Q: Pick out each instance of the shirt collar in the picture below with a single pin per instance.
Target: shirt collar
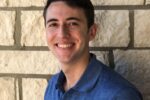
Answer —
(87, 80)
(60, 79)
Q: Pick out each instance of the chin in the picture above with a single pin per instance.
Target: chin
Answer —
(65, 61)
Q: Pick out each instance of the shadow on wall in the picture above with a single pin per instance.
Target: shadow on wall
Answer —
(134, 66)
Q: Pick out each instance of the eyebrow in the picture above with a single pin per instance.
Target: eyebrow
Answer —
(70, 18)
(51, 20)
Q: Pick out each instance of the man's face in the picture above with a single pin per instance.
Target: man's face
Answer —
(67, 32)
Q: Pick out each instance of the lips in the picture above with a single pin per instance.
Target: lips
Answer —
(64, 46)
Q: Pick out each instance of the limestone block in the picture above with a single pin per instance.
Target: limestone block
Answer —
(28, 62)
(147, 2)
(7, 25)
(118, 2)
(7, 89)
(142, 30)
(34, 89)
(146, 97)
(25, 3)
(3, 3)
(33, 29)
(113, 29)
(102, 56)
(134, 66)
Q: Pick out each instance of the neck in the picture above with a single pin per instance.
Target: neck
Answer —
(73, 72)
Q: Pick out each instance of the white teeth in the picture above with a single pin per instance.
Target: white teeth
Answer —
(64, 45)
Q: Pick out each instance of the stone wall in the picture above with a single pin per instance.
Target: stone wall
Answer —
(122, 42)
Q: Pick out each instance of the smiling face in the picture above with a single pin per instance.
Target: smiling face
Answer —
(67, 32)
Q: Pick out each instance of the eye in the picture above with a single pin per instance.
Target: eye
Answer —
(73, 24)
(53, 25)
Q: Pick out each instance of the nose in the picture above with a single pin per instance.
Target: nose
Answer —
(63, 31)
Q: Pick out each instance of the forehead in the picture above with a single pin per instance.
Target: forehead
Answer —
(61, 9)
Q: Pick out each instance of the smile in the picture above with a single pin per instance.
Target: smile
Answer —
(65, 45)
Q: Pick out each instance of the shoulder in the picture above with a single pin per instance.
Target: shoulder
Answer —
(112, 78)
(51, 87)
(53, 80)
(117, 86)
(127, 94)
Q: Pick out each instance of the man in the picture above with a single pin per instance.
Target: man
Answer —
(69, 28)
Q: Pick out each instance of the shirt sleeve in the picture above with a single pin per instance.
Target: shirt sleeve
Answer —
(128, 94)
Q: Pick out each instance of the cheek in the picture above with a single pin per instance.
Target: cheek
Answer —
(84, 36)
(82, 39)
(49, 38)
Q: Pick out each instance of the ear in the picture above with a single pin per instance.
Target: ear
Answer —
(92, 32)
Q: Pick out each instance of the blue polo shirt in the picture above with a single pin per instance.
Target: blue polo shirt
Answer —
(97, 83)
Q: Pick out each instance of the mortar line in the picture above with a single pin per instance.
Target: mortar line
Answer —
(144, 2)
(44, 48)
(131, 29)
(121, 7)
(15, 89)
(25, 48)
(121, 48)
(21, 8)
(46, 76)
(20, 89)
(111, 59)
(17, 34)
(97, 7)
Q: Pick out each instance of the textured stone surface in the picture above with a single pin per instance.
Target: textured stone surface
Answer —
(147, 98)
(25, 3)
(36, 62)
(7, 89)
(102, 56)
(33, 31)
(7, 22)
(32, 62)
(3, 3)
(118, 2)
(142, 30)
(112, 30)
(134, 65)
(33, 89)
(147, 2)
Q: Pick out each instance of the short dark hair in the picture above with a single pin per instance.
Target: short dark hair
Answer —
(86, 5)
